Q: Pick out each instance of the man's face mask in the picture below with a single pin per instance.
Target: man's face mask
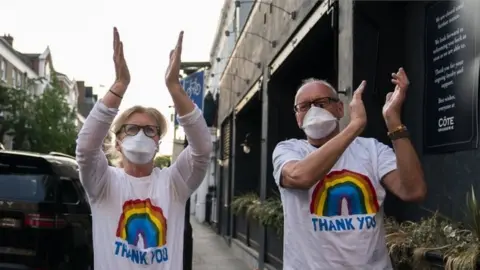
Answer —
(139, 149)
(318, 123)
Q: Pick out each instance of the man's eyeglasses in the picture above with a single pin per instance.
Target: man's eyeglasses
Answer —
(319, 102)
(149, 131)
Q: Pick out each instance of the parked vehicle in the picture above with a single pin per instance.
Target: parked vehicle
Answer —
(45, 217)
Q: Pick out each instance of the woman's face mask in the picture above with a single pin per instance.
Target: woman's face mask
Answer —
(318, 123)
(139, 149)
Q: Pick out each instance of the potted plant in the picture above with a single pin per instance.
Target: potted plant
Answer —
(268, 213)
(248, 204)
(436, 241)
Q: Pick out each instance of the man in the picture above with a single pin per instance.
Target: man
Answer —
(332, 184)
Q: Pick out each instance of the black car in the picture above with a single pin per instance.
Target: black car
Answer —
(45, 218)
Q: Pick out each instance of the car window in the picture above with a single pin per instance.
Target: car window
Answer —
(67, 191)
(27, 187)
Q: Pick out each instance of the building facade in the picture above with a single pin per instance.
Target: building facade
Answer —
(32, 72)
(17, 69)
(345, 42)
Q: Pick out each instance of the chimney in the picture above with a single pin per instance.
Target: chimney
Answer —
(9, 39)
(88, 92)
(81, 91)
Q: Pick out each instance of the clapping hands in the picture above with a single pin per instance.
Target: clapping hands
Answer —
(394, 100)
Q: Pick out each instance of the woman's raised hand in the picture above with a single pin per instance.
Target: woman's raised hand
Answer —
(122, 74)
(173, 71)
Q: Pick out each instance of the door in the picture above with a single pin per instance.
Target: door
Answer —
(77, 232)
(379, 50)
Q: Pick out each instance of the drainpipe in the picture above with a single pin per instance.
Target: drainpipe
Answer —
(187, 235)
(263, 161)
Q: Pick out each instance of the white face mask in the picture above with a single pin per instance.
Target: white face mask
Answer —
(139, 149)
(318, 123)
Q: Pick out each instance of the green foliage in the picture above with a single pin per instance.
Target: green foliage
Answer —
(162, 161)
(41, 123)
(269, 213)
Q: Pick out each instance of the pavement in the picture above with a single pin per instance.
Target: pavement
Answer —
(211, 252)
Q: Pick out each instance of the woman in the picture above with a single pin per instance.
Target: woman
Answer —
(138, 211)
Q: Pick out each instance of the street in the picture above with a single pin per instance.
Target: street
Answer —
(210, 251)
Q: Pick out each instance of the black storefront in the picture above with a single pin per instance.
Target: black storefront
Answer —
(365, 40)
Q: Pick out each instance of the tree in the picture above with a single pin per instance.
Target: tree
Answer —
(162, 161)
(16, 111)
(41, 123)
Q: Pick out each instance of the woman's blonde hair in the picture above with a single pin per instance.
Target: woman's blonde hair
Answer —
(161, 122)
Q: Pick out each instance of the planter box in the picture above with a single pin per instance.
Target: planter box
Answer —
(435, 261)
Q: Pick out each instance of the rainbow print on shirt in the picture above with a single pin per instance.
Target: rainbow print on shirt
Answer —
(142, 233)
(344, 200)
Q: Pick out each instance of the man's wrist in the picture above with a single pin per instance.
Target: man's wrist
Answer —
(355, 128)
(393, 123)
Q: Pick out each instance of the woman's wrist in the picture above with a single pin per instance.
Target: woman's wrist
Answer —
(175, 87)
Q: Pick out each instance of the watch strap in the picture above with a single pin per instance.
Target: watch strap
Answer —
(399, 133)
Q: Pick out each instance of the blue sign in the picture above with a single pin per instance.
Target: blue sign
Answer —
(193, 86)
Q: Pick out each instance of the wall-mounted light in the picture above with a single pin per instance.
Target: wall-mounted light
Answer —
(246, 145)
(273, 43)
(257, 64)
(292, 14)
(247, 81)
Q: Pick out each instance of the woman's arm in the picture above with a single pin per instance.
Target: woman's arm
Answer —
(93, 164)
(91, 160)
(191, 166)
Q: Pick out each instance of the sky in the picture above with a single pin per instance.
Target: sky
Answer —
(80, 36)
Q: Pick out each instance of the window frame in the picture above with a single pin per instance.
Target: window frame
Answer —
(3, 69)
(71, 181)
(14, 76)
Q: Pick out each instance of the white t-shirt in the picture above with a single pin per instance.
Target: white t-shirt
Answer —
(338, 223)
(138, 223)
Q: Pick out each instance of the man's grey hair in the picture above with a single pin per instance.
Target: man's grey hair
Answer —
(315, 80)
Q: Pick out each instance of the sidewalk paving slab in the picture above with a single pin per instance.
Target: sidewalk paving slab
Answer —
(211, 252)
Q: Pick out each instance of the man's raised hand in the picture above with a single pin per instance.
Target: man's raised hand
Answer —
(358, 116)
(394, 100)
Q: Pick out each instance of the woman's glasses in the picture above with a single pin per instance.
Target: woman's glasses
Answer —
(149, 131)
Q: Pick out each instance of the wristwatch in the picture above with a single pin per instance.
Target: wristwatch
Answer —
(398, 133)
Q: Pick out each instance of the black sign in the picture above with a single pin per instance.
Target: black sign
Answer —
(451, 77)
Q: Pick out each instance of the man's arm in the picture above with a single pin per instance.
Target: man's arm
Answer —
(407, 181)
(305, 173)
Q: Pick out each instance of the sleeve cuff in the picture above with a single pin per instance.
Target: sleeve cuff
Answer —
(190, 117)
(102, 113)
(387, 169)
(278, 174)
